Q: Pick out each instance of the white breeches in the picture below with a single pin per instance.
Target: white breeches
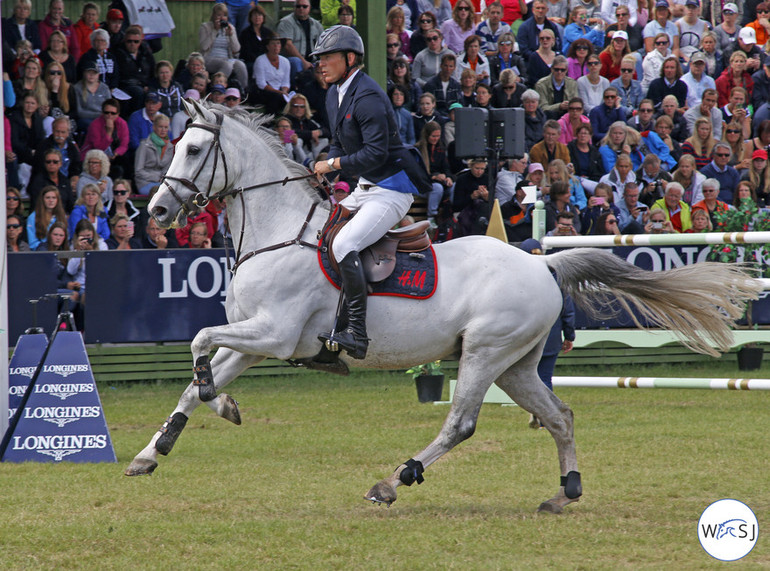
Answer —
(377, 211)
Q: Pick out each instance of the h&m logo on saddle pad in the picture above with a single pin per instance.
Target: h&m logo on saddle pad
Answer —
(414, 276)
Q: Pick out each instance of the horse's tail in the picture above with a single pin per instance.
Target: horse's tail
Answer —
(699, 302)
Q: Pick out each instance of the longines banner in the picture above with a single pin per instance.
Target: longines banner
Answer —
(62, 418)
(147, 296)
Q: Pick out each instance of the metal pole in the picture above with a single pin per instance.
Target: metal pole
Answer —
(706, 238)
(538, 221)
(4, 344)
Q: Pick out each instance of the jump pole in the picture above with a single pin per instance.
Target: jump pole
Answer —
(700, 239)
(663, 383)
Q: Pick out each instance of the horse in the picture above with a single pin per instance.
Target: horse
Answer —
(492, 308)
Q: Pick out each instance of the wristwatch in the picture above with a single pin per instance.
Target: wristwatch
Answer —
(330, 162)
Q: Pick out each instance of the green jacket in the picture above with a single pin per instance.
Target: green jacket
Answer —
(544, 88)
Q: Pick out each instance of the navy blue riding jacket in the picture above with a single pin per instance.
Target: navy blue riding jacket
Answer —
(365, 136)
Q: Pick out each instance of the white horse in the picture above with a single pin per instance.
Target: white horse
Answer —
(492, 308)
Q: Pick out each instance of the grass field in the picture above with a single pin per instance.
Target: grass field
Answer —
(284, 490)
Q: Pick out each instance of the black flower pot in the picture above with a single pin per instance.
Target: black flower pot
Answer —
(750, 358)
(429, 387)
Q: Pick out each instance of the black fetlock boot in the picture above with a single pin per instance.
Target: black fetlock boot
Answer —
(353, 337)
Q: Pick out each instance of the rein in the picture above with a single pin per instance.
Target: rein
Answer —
(199, 200)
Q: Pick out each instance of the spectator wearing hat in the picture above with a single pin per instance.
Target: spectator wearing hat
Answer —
(217, 94)
(115, 24)
(90, 93)
(761, 25)
(697, 80)
(272, 76)
(661, 24)
(727, 31)
(136, 66)
(747, 44)
(232, 97)
(56, 21)
(140, 122)
(340, 192)
(218, 41)
(691, 29)
(758, 174)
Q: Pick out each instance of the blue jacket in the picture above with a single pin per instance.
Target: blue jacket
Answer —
(656, 146)
(574, 32)
(728, 180)
(564, 324)
(629, 98)
(602, 117)
(405, 123)
(80, 212)
(365, 137)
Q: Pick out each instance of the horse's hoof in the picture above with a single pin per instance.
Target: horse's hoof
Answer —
(229, 409)
(551, 508)
(381, 493)
(141, 467)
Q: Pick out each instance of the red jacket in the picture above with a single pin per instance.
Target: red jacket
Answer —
(725, 83)
(96, 138)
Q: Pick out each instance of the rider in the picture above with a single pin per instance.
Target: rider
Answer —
(365, 143)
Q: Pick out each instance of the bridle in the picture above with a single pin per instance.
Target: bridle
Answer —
(199, 199)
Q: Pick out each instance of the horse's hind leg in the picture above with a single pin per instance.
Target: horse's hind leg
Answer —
(522, 383)
(475, 376)
(226, 366)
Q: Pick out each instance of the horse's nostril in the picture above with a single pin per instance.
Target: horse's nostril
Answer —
(158, 212)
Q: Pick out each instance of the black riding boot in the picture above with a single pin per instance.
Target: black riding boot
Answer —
(353, 338)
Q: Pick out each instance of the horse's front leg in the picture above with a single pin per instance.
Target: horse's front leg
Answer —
(226, 366)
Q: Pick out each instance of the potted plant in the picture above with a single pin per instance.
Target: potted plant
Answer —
(742, 219)
(429, 379)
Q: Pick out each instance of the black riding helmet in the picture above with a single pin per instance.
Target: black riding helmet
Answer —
(339, 39)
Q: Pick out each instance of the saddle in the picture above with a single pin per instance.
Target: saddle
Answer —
(379, 259)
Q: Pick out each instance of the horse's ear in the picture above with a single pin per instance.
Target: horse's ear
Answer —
(204, 113)
(189, 109)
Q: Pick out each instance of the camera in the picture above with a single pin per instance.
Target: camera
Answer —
(657, 225)
(223, 24)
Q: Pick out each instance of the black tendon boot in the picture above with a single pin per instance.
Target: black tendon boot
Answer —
(353, 338)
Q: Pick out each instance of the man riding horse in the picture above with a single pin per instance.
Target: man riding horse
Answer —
(365, 143)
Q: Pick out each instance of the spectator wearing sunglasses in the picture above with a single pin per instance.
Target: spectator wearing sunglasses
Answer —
(629, 89)
(121, 203)
(761, 25)
(531, 29)
(136, 66)
(505, 58)
(427, 63)
(720, 169)
(460, 26)
(492, 28)
(109, 133)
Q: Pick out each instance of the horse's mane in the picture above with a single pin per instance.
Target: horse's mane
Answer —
(257, 123)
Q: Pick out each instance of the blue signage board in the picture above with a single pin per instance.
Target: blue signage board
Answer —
(63, 417)
(154, 295)
(26, 357)
(31, 275)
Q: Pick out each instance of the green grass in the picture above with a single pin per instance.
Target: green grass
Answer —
(284, 490)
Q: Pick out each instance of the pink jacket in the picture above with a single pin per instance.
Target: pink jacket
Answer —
(7, 141)
(96, 138)
(46, 27)
(566, 128)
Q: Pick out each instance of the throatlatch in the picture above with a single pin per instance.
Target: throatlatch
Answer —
(573, 489)
(204, 379)
(412, 473)
(169, 432)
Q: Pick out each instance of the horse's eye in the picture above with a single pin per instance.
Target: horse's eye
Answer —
(192, 150)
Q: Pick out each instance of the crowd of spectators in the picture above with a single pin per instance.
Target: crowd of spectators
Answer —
(630, 106)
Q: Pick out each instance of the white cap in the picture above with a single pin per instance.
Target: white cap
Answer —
(620, 34)
(748, 35)
(730, 7)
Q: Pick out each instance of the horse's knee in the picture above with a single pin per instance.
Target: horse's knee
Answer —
(459, 430)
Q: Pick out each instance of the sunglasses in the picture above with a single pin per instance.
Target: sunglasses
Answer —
(612, 222)
(610, 96)
(576, 109)
(661, 43)
(733, 131)
(505, 43)
(302, 6)
(12, 226)
(433, 39)
(426, 21)
(721, 154)
(578, 48)
(559, 69)
(52, 162)
(619, 14)
(627, 71)
(133, 41)
(231, 98)
(645, 110)
(110, 112)
(394, 45)
(594, 63)
(302, 105)
(463, 9)
(120, 192)
(54, 72)
(16, 198)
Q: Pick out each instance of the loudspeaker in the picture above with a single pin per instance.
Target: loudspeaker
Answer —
(506, 131)
(471, 132)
